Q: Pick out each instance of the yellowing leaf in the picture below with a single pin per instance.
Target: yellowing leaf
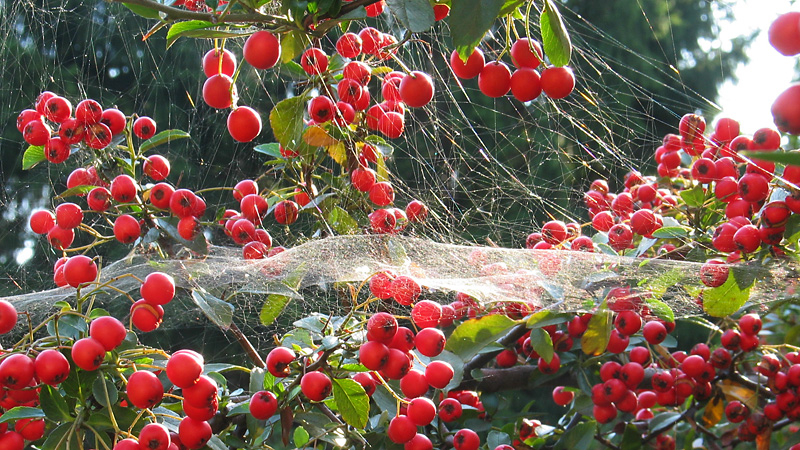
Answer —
(734, 391)
(595, 340)
(713, 412)
(317, 137)
(338, 152)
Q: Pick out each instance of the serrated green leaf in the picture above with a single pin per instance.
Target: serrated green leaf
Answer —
(415, 15)
(272, 308)
(147, 13)
(33, 155)
(351, 401)
(542, 343)
(725, 300)
(217, 310)
(471, 336)
(598, 331)
(555, 39)
(469, 21)
(162, 138)
(54, 404)
(21, 412)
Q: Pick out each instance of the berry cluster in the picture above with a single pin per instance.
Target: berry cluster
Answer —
(495, 79)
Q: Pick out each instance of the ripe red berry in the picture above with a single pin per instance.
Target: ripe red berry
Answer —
(42, 221)
(314, 61)
(750, 324)
(51, 367)
(158, 288)
(416, 89)
(57, 109)
(123, 188)
(114, 120)
(784, 33)
(88, 112)
(494, 79)
(244, 124)
(88, 353)
(469, 69)
(401, 429)
(421, 411)
(526, 53)
(349, 45)
(278, 361)
(144, 127)
(404, 289)
(126, 229)
(184, 368)
(219, 61)
(286, 212)
(316, 386)
(439, 374)
(654, 332)
(154, 436)
(145, 316)
(466, 439)
(430, 341)
(426, 313)
(262, 50)
(80, 269)
(156, 167)
(558, 82)
(144, 389)
(108, 331)
(68, 215)
(263, 405)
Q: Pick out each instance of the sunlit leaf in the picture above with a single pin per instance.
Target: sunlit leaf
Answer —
(598, 331)
(555, 39)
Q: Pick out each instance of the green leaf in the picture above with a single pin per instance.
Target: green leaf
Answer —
(542, 343)
(510, 6)
(671, 232)
(579, 436)
(272, 149)
(351, 401)
(54, 404)
(497, 438)
(665, 419)
(180, 28)
(598, 331)
(725, 300)
(294, 70)
(659, 286)
(292, 45)
(62, 438)
(272, 308)
(76, 190)
(300, 437)
(631, 438)
(286, 120)
(547, 317)
(70, 326)
(21, 412)
(469, 338)
(104, 391)
(33, 155)
(217, 310)
(341, 221)
(469, 21)
(169, 226)
(660, 309)
(162, 138)
(789, 158)
(147, 13)
(416, 15)
(694, 197)
(555, 39)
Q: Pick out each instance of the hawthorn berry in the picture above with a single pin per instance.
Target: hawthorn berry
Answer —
(278, 361)
(263, 405)
(108, 331)
(244, 124)
(219, 61)
(88, 353)
(316, 386)
(494, 79)
(144, 127)
(144, 389)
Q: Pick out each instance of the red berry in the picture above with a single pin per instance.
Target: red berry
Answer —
(213, 66)
(278, 361)
(154, 436)
(42, 221)
(654, 332)
(314, 61)
(558, 82)
(416, 89)
(156, 167)
(466, 439)
(244, 124)
(262, 50)
(80, 269)
(316, 386)
(526, 53)
(108, 331)
(784, 33)
(469, 69)
(144, 389)
(51, 367)
(263, 405)
(494, 79)
(144, 127)
(88, 353)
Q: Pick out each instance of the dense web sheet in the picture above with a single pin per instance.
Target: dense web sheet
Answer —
(491, 170)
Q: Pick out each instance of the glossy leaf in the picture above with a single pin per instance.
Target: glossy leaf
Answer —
(351, 401)
(162, 138)
(21, 412)
(725, 300)
(147, 13)
(286, 120)
(33, 155)
(272, 308)
(671, 232)
(555, 39)
(54, 404)
(341, 222)
(542, 343)
(180, 28)
(783, 157)
(300, 437)
(61, 438)
(579, 436)
(271, 149)
(547, 317)
(472, 336)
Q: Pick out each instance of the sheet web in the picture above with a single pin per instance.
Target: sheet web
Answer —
(490, 170)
